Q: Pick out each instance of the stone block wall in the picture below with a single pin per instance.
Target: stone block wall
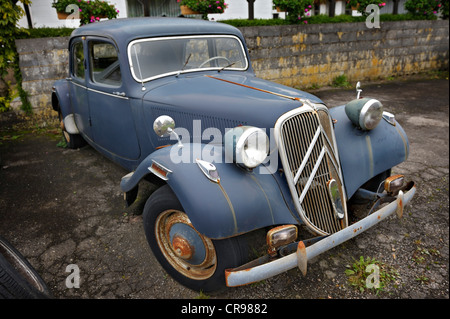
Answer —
(300, 56)
(308, 55)
(42, 62)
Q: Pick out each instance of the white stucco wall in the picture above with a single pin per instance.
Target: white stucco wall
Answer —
(238, 9)
(44, 15)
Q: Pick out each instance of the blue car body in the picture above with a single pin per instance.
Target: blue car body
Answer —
(117, 117)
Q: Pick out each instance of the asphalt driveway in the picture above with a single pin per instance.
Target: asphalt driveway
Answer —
(63, 207)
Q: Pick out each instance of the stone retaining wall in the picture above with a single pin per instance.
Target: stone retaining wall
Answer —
(311, 55)
(42, 62)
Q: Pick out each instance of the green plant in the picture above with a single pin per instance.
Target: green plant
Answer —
(60, 5)
(424, 255)
(90, 11)
(205, 6)
(361, 5)
(341, 81)
(296, 9)
(62, 143)
(46, 32)
(427, 8)
(9, 59)
(370, 274)
(202, 295)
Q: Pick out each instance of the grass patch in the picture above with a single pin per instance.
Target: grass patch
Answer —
(341, 81)
(368, 274)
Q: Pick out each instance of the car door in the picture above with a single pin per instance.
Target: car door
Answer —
(110, 112)
(78, 89)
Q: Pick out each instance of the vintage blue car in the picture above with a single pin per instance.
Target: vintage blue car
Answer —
(175, 102)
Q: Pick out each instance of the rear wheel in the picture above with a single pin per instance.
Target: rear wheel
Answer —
(191, 258)
(73, 141)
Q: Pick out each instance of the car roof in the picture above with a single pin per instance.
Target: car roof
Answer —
(125, 30)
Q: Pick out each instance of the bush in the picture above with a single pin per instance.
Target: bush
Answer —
(428, 8)
(296, 9)
(46, 33)
(319, 19)
(9, 59)
(361, 5)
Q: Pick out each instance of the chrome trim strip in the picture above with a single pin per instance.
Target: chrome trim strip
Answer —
(313, 175)
(108, 94)
(101, 92)
(307, 155)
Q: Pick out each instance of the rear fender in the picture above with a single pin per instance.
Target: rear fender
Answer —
(61, 104)
(365, 154)
(61, 97)
(240, 202)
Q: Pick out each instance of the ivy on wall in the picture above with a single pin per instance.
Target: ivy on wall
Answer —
(10, 13)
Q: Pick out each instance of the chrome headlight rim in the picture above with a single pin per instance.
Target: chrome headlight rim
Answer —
(240, 139)
(368, 120)
(365, 113)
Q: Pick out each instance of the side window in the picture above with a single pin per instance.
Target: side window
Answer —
(78, 60)
(104, 63)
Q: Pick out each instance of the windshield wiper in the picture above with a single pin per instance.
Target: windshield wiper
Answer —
(227, 66)
(185, 63)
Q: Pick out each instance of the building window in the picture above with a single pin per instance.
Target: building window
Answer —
(153, 8)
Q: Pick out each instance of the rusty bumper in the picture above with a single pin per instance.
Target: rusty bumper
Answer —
(264, 268)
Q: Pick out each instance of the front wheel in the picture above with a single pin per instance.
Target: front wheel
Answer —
(191, 258)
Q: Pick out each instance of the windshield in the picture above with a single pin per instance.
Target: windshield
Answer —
(153, 58)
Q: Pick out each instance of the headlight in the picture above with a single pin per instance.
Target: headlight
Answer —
(365, 113)
(246, 145)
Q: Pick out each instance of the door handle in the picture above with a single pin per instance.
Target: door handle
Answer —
(119, 93)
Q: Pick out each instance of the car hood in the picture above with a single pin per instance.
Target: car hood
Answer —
(222, 100)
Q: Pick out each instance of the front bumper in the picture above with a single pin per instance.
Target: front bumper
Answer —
(264, 268)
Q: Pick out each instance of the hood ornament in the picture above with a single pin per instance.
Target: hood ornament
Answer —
(358, 90)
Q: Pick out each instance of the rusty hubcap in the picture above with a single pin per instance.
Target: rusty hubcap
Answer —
(181, 247)
(188, 251)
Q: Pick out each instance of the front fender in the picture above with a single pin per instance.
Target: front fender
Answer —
(241, 202)
(365, 154)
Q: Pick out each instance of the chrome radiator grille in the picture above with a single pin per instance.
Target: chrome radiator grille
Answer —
(307, 150)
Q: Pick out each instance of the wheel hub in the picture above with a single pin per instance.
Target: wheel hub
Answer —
(189, 252)
(182, 248)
